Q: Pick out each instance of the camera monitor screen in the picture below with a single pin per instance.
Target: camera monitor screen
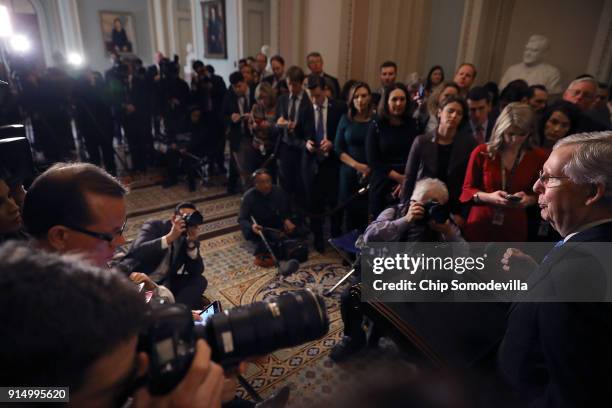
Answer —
(214, 307)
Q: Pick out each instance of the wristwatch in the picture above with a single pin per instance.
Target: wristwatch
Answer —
(475, 198)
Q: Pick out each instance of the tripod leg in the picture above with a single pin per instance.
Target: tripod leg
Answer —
(345, 277)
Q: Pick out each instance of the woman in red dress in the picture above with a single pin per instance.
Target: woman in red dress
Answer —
(500, 198)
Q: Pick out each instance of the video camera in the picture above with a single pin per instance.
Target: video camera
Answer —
(233, 335)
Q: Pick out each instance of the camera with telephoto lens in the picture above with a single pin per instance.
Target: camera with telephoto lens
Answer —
(435, 211)
(234, 335)
(194, 219)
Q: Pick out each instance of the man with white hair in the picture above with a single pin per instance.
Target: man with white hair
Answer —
(409, 222)
(532, 69)
(582, 92)
(404, 222)
(557, 354)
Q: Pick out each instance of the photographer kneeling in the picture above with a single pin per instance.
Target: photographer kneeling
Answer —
(265, 210)
(169, 253)
(424, 219)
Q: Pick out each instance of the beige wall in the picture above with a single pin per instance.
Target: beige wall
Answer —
(570, 25)
(355, 36)
(322, 20)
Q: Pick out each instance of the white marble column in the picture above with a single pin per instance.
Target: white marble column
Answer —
(71, 27)
(600, 60)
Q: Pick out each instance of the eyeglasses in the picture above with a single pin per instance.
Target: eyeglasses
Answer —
(100, 235)
(550, 181)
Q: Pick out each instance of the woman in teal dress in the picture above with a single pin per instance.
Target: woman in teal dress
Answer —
(350, 147)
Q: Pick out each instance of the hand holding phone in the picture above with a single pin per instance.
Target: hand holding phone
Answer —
(208, 311)
(513, 198)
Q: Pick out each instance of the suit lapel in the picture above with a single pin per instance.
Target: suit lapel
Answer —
(600, 233)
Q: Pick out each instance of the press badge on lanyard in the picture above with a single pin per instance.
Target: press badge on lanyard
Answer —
(498, 215)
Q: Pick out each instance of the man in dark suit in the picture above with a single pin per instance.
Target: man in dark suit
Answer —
(537, 98)
(217, 131)
(94, 119)
(557, 354)
(295, 121)
(315, 65)
(175, 96)
(388, 76)
(169, 252)
(277, 79)
(481, 123)
(208, 91)
(582, 92)
(236, 112)
(136, 119)
(321, 165)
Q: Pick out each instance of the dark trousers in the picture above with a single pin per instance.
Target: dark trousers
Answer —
(100, 140)
(260, 247)
(289, 175)
(244, 161)
(357, 213)
(381, 187)
(234, 171)
(54, 138)
(250, 159)
(352, 316)
(188, 289)
(323, 195)
(138, 142)
(217, 136)
(175, 163)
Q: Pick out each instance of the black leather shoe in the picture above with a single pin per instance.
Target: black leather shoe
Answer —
(346, 348)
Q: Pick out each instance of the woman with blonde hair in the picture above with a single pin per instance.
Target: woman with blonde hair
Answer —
(499, 178)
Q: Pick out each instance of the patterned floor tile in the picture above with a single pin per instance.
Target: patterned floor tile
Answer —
(235, 280)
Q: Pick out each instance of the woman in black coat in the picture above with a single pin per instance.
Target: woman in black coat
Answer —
(388, 143)
(442, 153)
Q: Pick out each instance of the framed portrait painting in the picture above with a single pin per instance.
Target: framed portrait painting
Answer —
(215, 38)
(118, 32)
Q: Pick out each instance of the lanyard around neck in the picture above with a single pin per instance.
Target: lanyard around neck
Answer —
(517, 160)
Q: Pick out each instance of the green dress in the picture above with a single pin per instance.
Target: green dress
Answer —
(351, 139)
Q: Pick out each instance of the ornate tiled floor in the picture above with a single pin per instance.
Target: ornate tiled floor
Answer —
(235, 280)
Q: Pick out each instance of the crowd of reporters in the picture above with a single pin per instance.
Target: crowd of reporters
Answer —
(414, 149)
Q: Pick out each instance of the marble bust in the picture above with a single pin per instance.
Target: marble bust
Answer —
(189, 58)
(532, 69)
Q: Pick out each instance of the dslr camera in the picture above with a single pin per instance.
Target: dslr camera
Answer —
(435, 211)
(194, 219)
(234, 335)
